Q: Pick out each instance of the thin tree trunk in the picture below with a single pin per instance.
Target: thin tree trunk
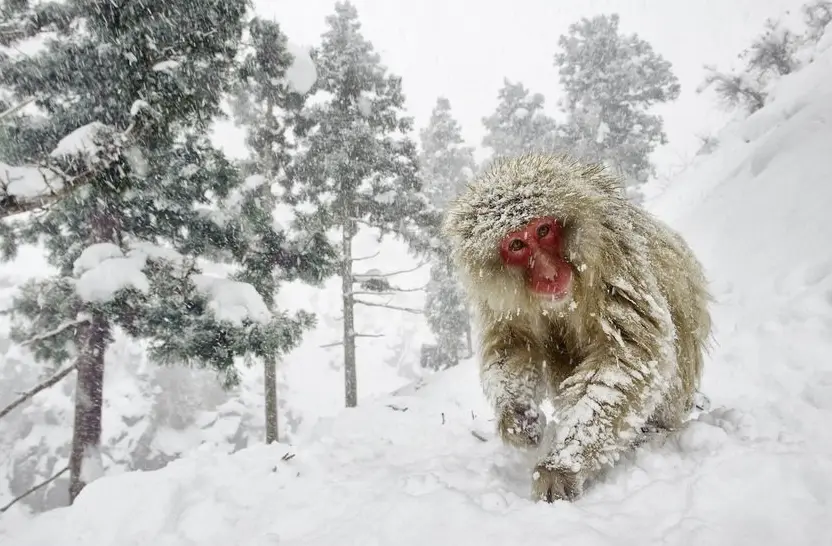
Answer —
(350, 376)
(468, 342)
(86, 434)
(270, 166)
(93, 339)
(270, 366)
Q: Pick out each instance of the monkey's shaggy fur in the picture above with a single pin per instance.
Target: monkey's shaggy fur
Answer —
(624, 349)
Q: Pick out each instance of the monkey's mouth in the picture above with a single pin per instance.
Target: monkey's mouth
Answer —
(552, 280)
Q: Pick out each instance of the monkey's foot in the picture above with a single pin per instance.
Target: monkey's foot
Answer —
(551, 483)
(521, 425)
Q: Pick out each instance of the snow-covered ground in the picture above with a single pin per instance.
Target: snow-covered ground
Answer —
(421, 466)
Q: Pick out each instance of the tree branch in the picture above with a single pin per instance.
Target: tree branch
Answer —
(11, 204)
(33, 489)
(45, 385)
(392, 291)
(386, 306)
(15, 108)
(55, 331)
(365, 257)
(359, 277)
(338, 343)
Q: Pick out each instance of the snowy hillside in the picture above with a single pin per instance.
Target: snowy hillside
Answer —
(421, 466)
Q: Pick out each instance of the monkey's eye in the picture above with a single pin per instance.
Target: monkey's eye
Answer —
(515, 245)
(543, 231)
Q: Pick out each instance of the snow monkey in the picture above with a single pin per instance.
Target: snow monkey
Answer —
(585, 299)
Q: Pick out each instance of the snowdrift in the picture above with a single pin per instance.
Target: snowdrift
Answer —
(421, 466)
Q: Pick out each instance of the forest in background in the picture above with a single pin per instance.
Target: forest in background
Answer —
(170, 266)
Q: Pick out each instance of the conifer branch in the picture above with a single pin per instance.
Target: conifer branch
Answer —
(33, 489)
(55, 331)
(360, 277)
(386, 306)
(32, 392)
(11, 205)
(15, 108)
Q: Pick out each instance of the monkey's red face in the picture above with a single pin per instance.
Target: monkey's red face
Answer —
(537, 249)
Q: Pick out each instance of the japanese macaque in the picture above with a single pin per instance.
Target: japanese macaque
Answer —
(585, 299)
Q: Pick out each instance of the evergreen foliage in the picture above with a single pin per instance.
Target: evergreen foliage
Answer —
(126, 95)
(357, 166)
(519, 124)
(611, 80)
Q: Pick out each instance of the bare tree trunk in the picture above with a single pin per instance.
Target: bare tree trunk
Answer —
(270, 366)
(270, 166)
(350, 376)
(86, 434)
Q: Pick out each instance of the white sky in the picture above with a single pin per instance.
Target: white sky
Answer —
(463, 48)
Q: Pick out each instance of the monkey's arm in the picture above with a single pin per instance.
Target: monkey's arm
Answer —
(511, 373)
(610, 395)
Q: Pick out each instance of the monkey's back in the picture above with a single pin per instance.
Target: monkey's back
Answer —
(681, 280)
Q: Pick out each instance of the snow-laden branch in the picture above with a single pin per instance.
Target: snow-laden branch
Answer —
(362, 277)
(43, 386)
(34, 488)
(55, 331)
(31, 187)
(386, 306)
(389, 291)
(15, 108)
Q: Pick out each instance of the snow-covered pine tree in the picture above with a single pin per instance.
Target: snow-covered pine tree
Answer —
(125, 95)
(272, 87)
(519, 124)
(817, 15)
(610, 81)
(446, 164)
(446, 314)
(358, 166)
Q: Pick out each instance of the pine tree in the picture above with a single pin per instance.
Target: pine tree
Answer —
(519, 124)
(358, 166)
(610, 81)
(446, 165)
(816, 16)
(445, 162)
(268, 103)
(138, 194)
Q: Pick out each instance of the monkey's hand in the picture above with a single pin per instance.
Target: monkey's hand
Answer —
(521, 424)
(551, 482)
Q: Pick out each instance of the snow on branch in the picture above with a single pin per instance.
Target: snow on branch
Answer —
(15, 108)
(55, 331)
(233, 301)
(31, 187)
(32, 392)
(375, 274)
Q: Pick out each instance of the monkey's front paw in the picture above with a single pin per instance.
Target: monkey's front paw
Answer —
(521, 425)
(551, 483)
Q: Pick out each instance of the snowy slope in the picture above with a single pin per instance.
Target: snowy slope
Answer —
(405, 469)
